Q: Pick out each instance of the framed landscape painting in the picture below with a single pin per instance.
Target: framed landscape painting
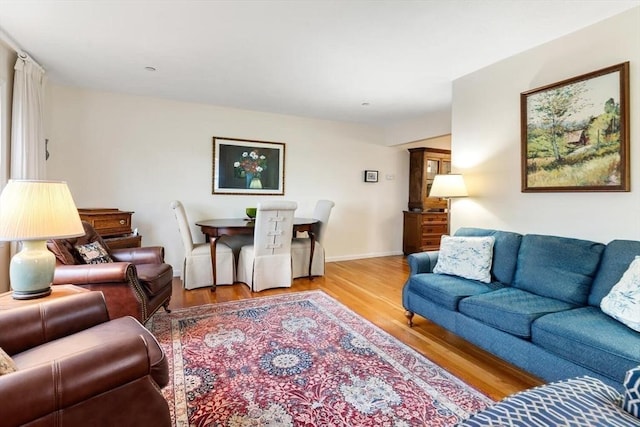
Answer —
(243, 166)
(575, 133)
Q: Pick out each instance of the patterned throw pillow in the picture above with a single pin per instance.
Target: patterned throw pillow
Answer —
(468, 257)
(93, 253)
(7, 364)
(631, 400)
(623, 301)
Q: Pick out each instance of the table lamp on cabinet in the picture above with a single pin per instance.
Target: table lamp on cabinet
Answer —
(32, 212)
(447, 187)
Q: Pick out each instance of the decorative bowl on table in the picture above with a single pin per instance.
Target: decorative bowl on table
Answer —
(251, 212)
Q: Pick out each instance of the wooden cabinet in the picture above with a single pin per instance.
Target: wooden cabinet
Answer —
(424, 165)
(422, 231)
(426, 220)
(113, 225)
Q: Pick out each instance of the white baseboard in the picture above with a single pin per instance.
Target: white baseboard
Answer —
(178, 272)
(362, 256)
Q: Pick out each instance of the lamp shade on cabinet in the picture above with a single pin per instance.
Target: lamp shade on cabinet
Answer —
(447, 186)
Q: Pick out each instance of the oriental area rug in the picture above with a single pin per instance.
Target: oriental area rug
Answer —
(300, 359)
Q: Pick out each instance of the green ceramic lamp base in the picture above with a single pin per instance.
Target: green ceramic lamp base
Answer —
(31, 270)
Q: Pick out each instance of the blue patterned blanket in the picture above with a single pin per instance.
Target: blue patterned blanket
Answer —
(578, 402)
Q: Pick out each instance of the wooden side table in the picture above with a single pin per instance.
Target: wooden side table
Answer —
(113, 225)
(57, 291)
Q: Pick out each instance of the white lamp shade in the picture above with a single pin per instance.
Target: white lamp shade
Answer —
(38, 210)
(447, 186)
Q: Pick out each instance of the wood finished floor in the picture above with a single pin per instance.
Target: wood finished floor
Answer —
(372, 287)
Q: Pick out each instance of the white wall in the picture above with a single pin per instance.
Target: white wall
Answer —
(431, 125)
(138, 153)
(486, 138)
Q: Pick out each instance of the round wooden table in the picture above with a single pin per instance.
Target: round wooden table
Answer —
(214, 229)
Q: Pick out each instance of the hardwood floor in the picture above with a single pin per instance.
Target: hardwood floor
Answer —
(372, 287)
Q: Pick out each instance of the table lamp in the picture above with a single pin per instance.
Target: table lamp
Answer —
(32, 212)
(447, 187)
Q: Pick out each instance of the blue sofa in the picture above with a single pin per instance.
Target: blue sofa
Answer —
(541, 310)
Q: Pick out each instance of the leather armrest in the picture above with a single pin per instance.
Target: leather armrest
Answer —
(32, 393)
(144, 255)
(82, 274)
(29, 326)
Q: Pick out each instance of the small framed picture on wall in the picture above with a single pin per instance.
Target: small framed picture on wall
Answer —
(370, 176)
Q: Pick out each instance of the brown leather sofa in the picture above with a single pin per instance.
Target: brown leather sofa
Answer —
(136, 284)
(75, 367)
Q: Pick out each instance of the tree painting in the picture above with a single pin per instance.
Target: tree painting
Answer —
(574, 137)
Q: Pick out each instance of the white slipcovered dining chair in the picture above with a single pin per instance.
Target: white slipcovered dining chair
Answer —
(267, 263)
(301, 246)
(196, 268)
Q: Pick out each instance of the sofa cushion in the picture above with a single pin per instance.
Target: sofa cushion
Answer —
(98, 334)
(616, 259)
(589, 338)
(510, 310)
(581, 401)
(154, 277)
(505, 251)
(7, 365)
(557, 267)
(631, 399)
(623, 301)
(468, 257)
(447, 291)
(64, 249)
(93, 253)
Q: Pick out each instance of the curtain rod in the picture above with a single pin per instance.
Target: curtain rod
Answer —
(22, 54)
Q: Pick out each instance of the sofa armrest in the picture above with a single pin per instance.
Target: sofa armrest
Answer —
(36, 392)
(144, 255)
(82, 274)
(27, 327)
(422, 262)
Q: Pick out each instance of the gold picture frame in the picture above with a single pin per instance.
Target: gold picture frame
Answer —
(575, 133)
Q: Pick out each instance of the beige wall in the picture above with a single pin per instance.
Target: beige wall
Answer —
(486, 138)
(140, 153)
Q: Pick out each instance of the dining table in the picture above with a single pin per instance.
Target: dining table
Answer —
(218, 228)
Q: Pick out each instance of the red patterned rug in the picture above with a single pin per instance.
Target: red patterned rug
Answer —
(300, 359)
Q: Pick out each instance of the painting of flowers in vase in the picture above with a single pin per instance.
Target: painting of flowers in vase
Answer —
(243, 166)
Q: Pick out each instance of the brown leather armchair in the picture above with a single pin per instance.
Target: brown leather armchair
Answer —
(136, 284)
(75, 367)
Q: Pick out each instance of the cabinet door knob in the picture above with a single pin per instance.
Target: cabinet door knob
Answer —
(122, 222)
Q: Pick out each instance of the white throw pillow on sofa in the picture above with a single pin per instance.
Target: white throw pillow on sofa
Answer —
(468, 257)
(623, 300)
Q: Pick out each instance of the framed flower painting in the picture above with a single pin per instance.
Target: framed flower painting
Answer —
(243, 166)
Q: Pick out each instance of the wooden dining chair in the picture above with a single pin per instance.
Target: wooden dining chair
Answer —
(301, 246)
(197, 270)
(267, 263)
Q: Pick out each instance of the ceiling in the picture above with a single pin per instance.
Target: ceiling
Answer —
(375, 62)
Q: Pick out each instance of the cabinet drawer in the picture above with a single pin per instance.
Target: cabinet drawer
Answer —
(107, 222)
(432, 241)
(430, 248)
(434, 219)
(123, 242)
(112, 224)
(438, 229)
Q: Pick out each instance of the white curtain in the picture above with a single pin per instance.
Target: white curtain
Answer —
(27, 126)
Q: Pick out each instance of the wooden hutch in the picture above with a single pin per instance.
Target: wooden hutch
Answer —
(426, 219)
(113, 225)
